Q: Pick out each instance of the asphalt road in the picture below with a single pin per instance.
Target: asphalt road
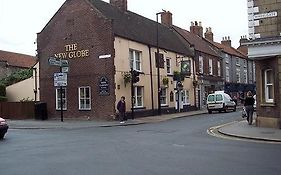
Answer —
(175, 147)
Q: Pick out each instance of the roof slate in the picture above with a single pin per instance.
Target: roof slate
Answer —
(17, 60)
(199, 43)
(132, 26)
(229, 50)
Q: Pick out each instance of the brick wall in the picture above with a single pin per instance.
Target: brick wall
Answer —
(263, 110)
(80, 23)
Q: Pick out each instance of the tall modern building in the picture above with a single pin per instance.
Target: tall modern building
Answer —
(264, 48)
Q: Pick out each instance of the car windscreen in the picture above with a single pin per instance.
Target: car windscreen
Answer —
(211, 98)
(219, 97)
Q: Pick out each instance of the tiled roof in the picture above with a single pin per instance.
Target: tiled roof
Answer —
(199, 43)
(132, 26)
(17, 60)
(229, 50)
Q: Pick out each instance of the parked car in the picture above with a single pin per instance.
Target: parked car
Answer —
(220, 101)
(3, 127)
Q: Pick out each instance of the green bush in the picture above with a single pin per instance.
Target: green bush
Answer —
(3, 99)
(17, 77)
(2, 90)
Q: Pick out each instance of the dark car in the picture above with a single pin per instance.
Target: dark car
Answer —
(3, 127)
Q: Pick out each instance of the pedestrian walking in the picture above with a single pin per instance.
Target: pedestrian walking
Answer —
(249, 106)
(121, 107)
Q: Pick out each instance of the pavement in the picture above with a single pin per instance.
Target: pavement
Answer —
(237, 129)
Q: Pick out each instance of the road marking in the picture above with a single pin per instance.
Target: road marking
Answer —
(213, 131)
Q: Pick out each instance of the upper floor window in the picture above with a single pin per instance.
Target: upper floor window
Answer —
(210, 66)
(201, 66)
(245, 63)
(227, 75)
(219, 69)
(237, 61)
(60, 94)
(168, 66)
(245, 76)
(84, 98)
(238, 75)
(135, 60)
(268, 86)
(226, 58)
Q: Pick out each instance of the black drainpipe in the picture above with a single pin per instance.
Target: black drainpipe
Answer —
(151, 79)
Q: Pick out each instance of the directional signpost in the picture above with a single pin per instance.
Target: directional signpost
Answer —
(60, 79)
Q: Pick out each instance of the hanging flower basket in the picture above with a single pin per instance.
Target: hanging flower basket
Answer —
(127, 77)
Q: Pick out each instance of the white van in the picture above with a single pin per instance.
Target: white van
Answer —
(220, 101)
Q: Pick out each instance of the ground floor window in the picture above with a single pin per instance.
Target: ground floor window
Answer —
(85, 98)
(268, 86)
(185, 97)
(58, 99)
(138, 96)
(163, 97)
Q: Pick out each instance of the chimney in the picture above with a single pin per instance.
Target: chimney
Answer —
(243, 48)
(226, 41)
(209, 34)
(167, 18)
(121, 4)
(196, 28)
(243, 39)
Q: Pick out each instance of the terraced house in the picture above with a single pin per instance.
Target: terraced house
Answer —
(102, 42)
(238, 70)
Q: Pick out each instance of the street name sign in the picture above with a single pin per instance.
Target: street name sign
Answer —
(54, 61)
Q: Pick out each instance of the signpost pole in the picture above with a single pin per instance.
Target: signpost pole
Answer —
(132, 95)
(61, 102)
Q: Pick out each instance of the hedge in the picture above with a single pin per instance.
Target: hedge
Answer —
(3, 99)
(2, 90)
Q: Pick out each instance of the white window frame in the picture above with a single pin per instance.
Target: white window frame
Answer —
(237, 61)
(164, 96)
(245, 76)
(133, 59)
(238, 75)
(136, 97)
(267, 85)
(201, 65)
(185, 97)
(64, 99)
(210, 66)
(219, 68)
(245, 63)
(84, 98)
(226, 58)
(227, 74)
(169, 66)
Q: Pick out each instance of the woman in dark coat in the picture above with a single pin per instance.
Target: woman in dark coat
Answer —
(121, 107)
(249, 105)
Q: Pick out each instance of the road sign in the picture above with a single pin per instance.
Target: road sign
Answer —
(54, 61)
(60, 79)
(64, 63)
(57, 62)
(65, 69)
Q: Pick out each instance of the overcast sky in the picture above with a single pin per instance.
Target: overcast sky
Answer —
(20, 20)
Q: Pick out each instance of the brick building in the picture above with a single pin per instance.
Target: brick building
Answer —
(264, 48)
(101, 42)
